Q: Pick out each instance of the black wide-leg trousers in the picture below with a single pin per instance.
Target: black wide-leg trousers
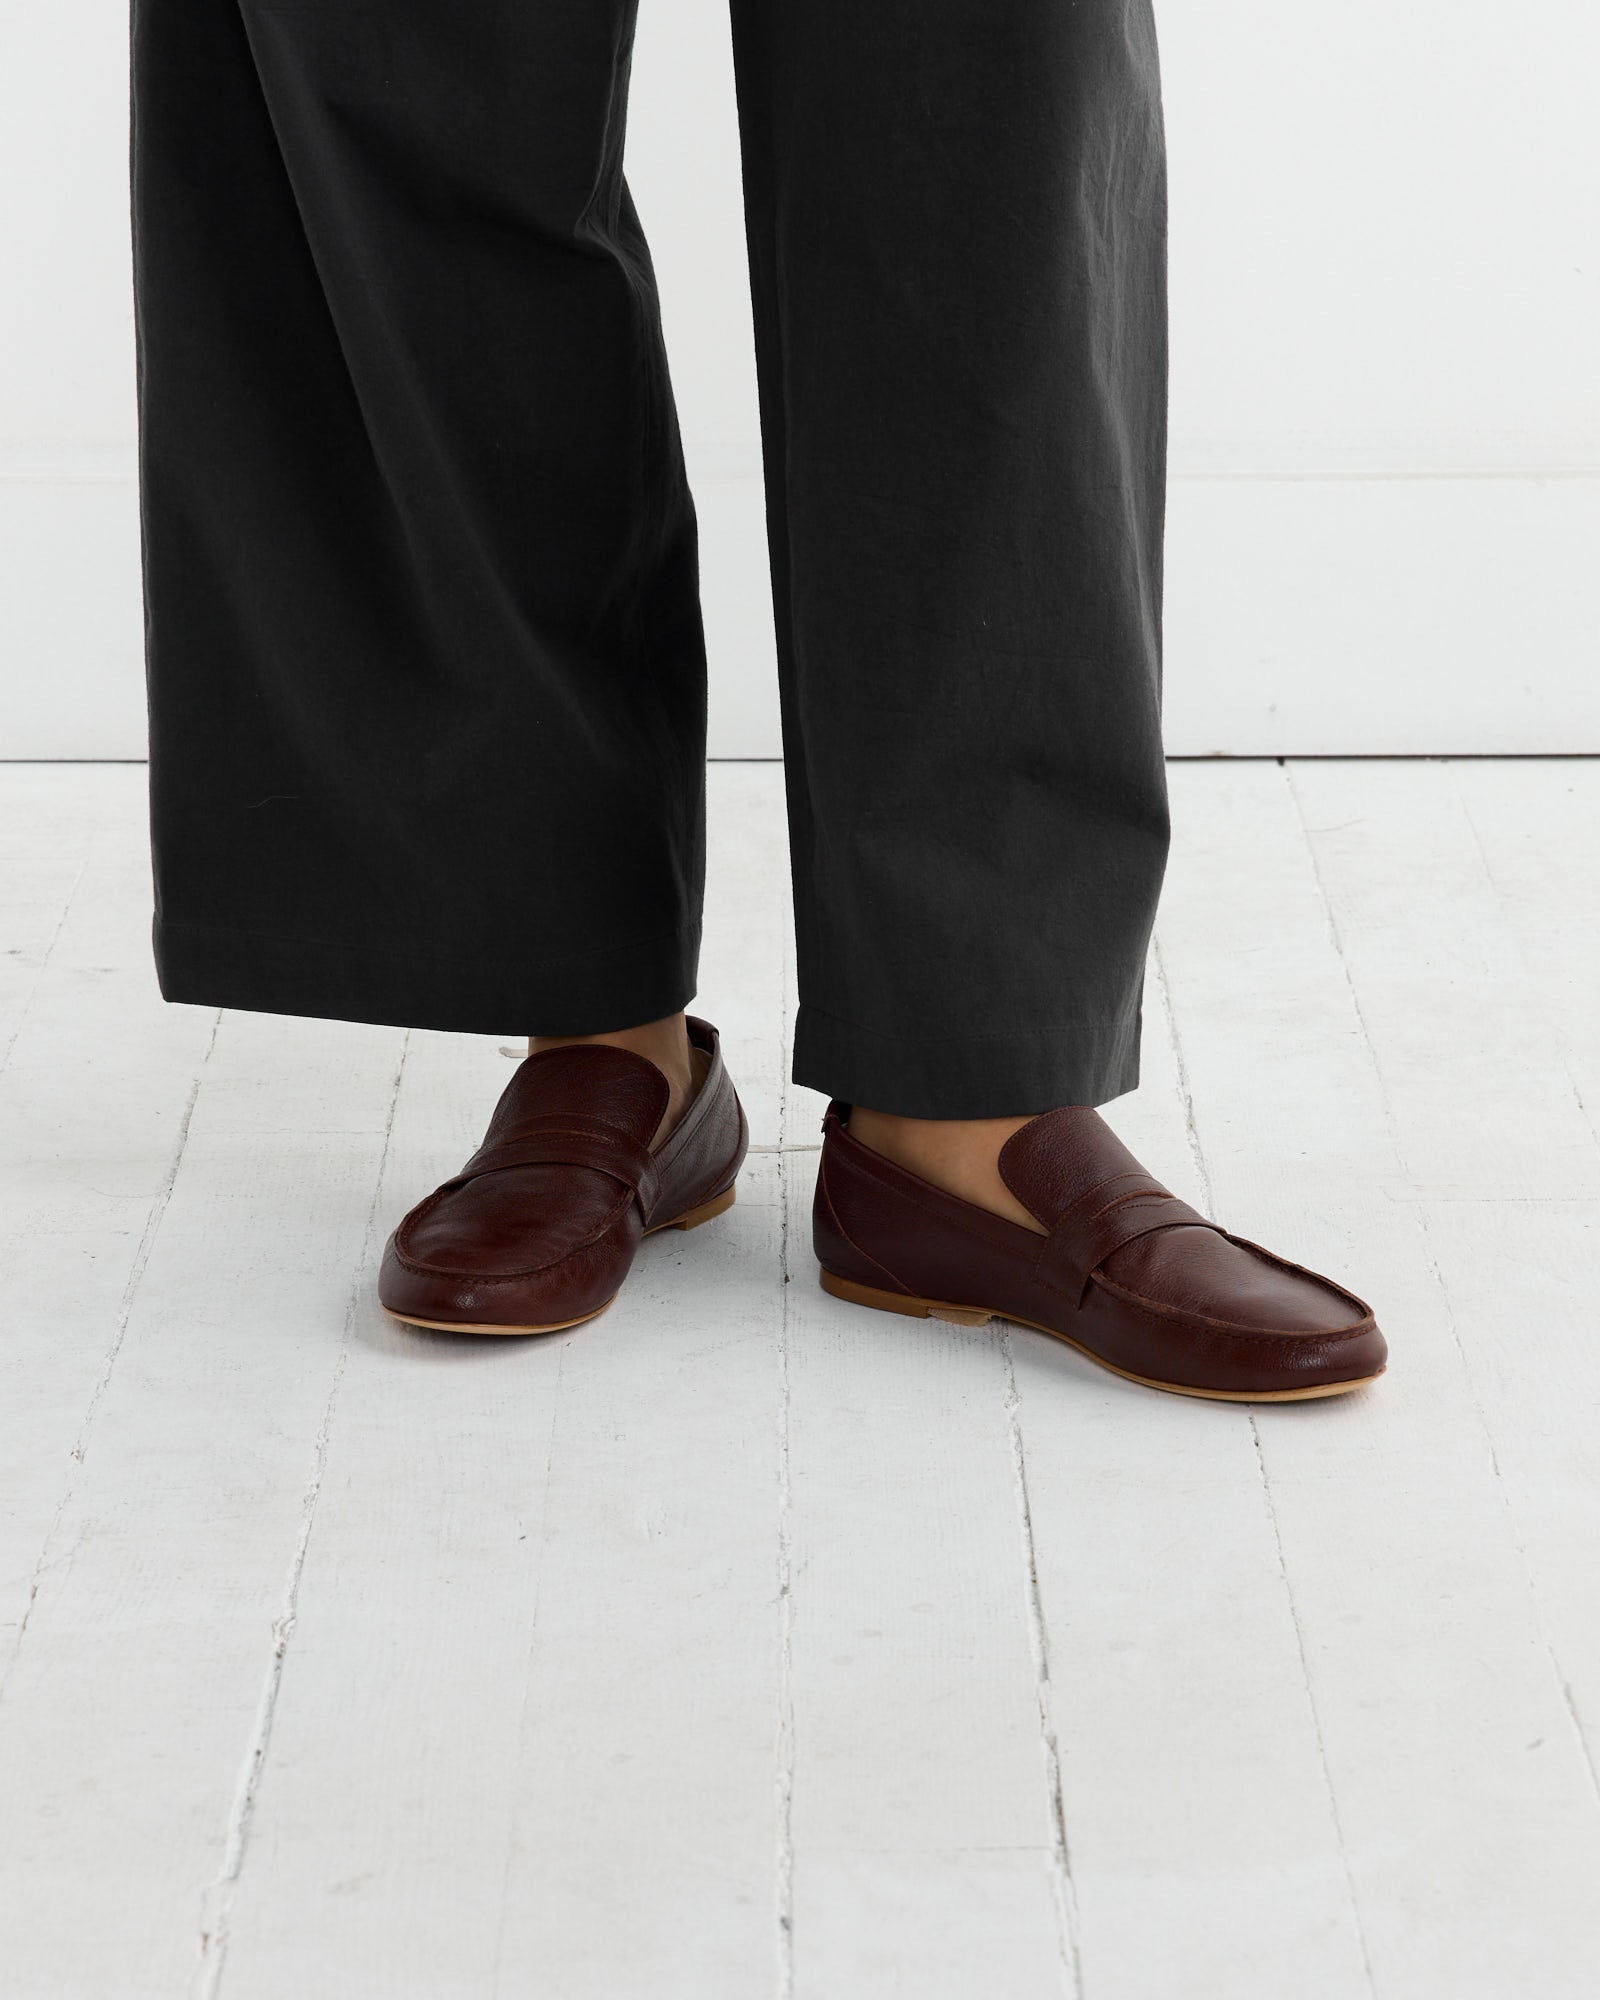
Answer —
(426, 668)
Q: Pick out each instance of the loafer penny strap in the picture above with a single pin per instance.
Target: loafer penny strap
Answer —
(1114, 1212)
(569, 1139)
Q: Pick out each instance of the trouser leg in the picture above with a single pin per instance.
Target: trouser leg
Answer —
(956, 215)
(425, 661)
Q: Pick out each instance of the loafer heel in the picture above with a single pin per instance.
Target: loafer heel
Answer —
(903, 1302)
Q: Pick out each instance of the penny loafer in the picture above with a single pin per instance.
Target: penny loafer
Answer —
(540, 1227)
(1134, 1278)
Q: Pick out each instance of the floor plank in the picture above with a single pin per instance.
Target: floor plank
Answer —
(1457, 1781)
(138, 1703)
(1194, 1785)
(97, 1085)
(1537, 825)
(643, 1855)
(1495, 1131)
(922, 1829)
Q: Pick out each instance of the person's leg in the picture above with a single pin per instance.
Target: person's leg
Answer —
(956, 217)
(425, 659)
(956, 226)
(427, 681)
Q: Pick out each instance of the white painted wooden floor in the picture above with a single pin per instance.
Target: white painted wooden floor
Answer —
(745, 1644)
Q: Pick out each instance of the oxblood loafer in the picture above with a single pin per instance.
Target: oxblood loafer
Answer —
(540, 1227)
(1133, 1277)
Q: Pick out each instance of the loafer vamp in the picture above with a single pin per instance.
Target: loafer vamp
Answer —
(517, 1222)
(1218, 1280)
(1214, 1355)
(575, 1287)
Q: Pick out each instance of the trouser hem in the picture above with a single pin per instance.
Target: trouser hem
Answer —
(1004, 1075)
(476, 987)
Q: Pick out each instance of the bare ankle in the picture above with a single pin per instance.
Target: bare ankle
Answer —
(665, 1043)
(960, 1155)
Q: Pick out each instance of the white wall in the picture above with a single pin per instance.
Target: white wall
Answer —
(1386, 403)
(1386, 400)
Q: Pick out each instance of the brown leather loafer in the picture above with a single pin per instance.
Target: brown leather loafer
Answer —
(1130, 1275)
(540, 1227)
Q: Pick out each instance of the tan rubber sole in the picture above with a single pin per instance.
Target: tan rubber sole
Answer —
(915, 1308)
(691, 1218)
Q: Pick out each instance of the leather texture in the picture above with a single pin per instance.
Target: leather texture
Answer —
(541, 1225)
(1127, 1272)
